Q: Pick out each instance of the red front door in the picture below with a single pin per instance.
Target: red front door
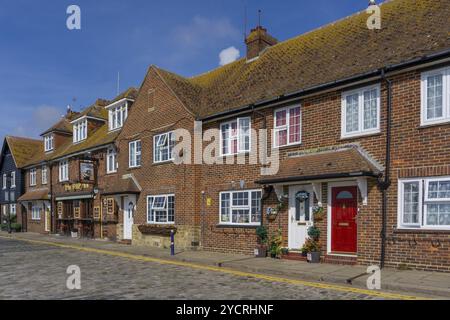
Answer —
(343, 220)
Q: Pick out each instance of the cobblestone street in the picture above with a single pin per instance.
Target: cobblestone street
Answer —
(31, 271)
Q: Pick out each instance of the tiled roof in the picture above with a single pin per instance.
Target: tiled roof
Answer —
(62, 125)
(410, 29)
(339, 162)
(24, 149)
(130, 93)
(41, 194)
(121, 186)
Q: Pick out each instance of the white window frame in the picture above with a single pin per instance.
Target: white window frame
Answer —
(424, 201)
(361, 131)
(445, 72)
(113, 116)
(167, 138)
(35, 212)
(238, 137)
(49, 143)
(165, 207)
(111, 154)
(5, 182)
(33, 177)
(13, 209)
(132, 158)
(44, 175)
(64, 170)
(80, 131)
(286, 127)
(231, 208)
(13, 179)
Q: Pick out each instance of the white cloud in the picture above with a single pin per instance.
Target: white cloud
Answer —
(229, 55)
(45, 116)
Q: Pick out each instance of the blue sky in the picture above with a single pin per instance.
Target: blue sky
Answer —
(44, 66)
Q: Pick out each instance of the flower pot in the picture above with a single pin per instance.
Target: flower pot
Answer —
(313, 257)
(74, 234)
(261, 251)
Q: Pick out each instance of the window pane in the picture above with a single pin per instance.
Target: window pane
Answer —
(434, 97)
(281, 137)
(256, 207)
(225, 208)
(370, 109)
(159, 203)
(411, 203)
(352, 113)
(438, 214)
(150, 212)
(244, 134)
(240, 199)
(280, 118)
(439, 190)
(241, 216)
(294, 125)
(171, 209)
(225, 138)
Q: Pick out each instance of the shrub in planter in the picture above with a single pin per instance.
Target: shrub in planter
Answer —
(16, 227)
(314, 233)
(261, 247)
(312, 249)
(318, 214)
(276, 245)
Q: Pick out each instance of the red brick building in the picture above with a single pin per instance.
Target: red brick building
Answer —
(358, 132)
(67, 181)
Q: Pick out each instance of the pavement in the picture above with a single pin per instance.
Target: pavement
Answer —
(325, 277)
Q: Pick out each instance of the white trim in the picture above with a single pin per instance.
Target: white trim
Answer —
(166, 196)
(238, 136)
(13, 180)
(288, 110)
(111, 152)
(5, 182)
(86, 118)
(44, 181)
(33, 181)
(423, 204)
(247, 207)
(361, 131)
(331, 185)
(119, 102)
(317, 188)
(63, 170)
(135, 165)
(168, 141)
(445, 72)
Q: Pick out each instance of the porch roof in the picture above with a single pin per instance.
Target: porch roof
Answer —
(34, 195)
(333, 164)
(122, 186)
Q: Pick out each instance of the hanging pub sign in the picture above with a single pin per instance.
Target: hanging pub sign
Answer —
(86, 171)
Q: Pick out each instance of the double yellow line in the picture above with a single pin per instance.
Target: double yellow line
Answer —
(379, 294)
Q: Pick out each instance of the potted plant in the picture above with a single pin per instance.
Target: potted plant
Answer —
(312, 249)
(314, 233)
(261, 247)
(318, 213)
(74, 233)
(276, 245)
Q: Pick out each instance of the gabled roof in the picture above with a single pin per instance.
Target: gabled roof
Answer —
(411, 29)
(97, 110)
(130, 93)
(23, 149)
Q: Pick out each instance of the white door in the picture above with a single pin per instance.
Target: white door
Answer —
(301, 200)
(47, 218)
(128, 215)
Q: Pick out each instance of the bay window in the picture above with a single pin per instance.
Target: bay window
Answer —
(287, 126)
(361, 112)
(63, 170)
(134, 160)
(80, 131)
(424, 203)
(163, 145)
(240, 207)
(111, 162)
(435, 96)
(161, 209)
(235, 136)
(32, 177)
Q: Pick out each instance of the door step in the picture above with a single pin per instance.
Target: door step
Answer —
(344, 260)
(294, 255)
(125, 242)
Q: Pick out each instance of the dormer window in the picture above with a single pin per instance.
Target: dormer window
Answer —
(80, 131)
(118, 113)
(49, 143)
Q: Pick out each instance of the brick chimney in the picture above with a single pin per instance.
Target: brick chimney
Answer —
(257, 41)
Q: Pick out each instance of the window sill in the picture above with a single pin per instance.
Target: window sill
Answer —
(421, 231)
(434, 124)
(163, 163)
(238, 226)
(288, 146)
(362, 135)
(133, 168)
